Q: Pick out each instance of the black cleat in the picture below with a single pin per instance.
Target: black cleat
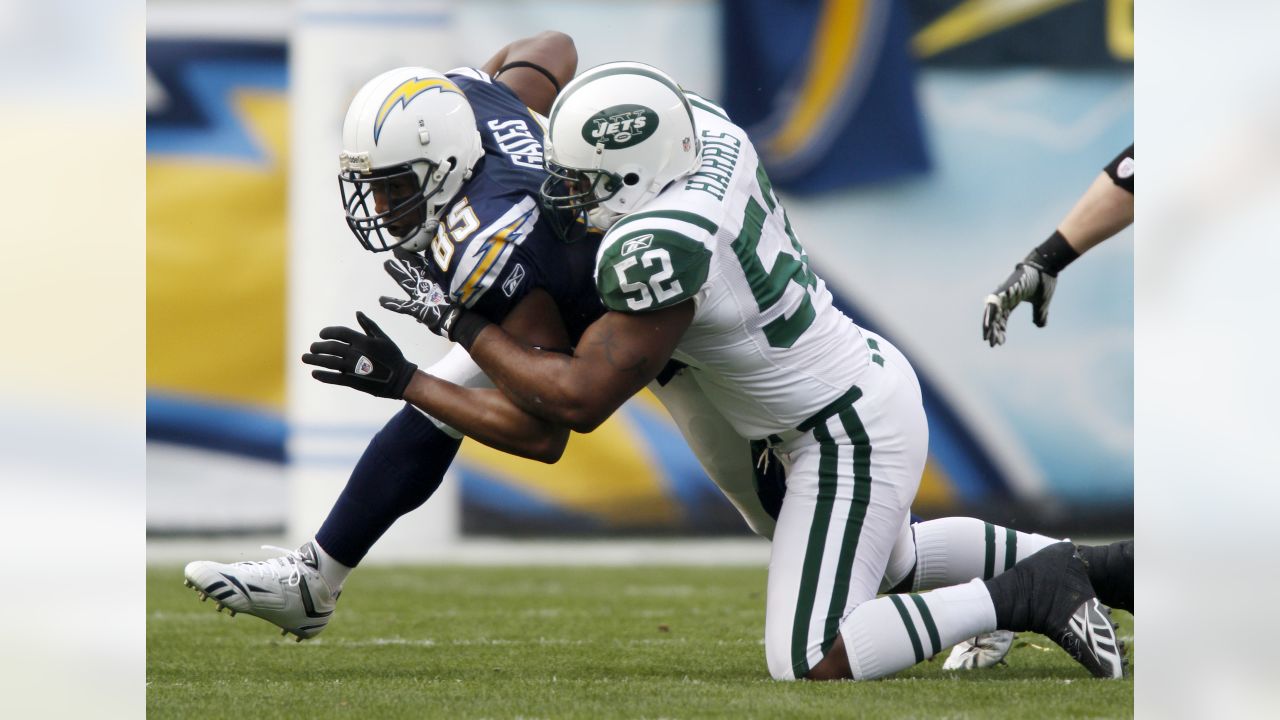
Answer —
(1049, 593)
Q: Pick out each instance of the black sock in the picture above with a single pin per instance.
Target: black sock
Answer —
(1006, 592)
(402, 467)
(1111, 572)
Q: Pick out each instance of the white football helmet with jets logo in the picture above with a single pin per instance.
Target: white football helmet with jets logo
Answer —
(409, 142)
(618, 134)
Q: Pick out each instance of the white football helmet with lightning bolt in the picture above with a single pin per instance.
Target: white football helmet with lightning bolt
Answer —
(409, 142)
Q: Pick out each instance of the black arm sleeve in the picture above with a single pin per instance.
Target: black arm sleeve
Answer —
(1120, 170)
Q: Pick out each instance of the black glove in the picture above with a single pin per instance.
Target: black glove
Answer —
(369, 363)
(1029, 281)
(428, 303)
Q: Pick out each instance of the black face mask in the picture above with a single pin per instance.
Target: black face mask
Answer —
(569, 194)
(406, 204)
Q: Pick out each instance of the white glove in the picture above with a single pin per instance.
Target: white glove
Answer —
(982, 651)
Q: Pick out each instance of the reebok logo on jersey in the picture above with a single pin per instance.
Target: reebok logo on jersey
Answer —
(637, 243)
(363, 366)
(620, 126)
(513, 282)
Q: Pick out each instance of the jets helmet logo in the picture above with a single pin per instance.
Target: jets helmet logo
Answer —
(620, 126)
(404, 93)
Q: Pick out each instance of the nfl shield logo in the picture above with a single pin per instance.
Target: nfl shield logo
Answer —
(363, 366)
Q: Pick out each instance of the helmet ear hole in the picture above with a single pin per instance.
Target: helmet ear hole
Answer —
(630, 178)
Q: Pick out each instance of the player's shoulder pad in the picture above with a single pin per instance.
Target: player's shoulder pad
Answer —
(495, 228)
(470, 73)
(702, 103)
(654, 259)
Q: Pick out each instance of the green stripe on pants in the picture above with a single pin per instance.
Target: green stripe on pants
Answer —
(911, 627)
(827, 476)
(853, 526)
(989, 567)
(1010, 547)
(929, 625)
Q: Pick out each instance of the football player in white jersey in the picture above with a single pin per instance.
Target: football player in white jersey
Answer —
(700, 264)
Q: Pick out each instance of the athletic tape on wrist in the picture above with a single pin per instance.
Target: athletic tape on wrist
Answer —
(1054, 254)
(467, 328)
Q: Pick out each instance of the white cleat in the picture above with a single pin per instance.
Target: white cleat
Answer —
(287, 591)
(983, 651)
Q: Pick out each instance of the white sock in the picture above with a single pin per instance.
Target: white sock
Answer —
(958, 549)
(894, 632)
(333, 572)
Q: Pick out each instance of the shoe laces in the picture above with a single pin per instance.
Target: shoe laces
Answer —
(286, 568)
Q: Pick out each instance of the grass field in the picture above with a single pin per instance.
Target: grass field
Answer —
(451, 642)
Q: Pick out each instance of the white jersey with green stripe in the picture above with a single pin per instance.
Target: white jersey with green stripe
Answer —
(769, 348)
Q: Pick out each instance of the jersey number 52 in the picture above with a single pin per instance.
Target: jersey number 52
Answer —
(662, 284)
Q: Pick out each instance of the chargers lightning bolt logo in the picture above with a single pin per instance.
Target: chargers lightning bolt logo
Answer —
(404, 94)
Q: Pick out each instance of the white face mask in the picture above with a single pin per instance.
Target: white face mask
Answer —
(602, 219)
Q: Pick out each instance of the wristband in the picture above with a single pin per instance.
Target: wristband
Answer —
(1053, 254)
(467, 328)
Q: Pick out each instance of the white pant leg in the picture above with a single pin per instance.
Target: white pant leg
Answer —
(850, 484)
(723, 453)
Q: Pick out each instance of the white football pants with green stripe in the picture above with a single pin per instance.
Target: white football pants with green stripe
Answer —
(844, 533)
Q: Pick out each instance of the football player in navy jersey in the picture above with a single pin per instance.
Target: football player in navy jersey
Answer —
(443, 170)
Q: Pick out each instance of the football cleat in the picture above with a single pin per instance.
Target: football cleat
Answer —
(1049, 593)
(287, 591)
(983, 651)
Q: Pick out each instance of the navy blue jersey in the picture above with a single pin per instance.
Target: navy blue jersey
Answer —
(492, 246)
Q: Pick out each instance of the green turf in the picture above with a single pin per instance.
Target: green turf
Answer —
(448, 642)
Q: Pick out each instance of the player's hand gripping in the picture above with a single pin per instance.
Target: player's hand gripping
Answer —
(1029, 281)
(369, 362)
(427, 302)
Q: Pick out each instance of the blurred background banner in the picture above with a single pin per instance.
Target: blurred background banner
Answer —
(217, 166)
(826, 89)
(248, 255)
(1058, 33)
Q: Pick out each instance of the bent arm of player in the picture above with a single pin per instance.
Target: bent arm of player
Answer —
(372, 363)
(535, 68)
(1105, 209)
(618, 355)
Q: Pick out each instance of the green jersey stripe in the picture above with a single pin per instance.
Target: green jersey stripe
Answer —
(1010, 547)
(679, 215)
(911, 627)
(989, 565)
(827, 479)
(929, 625)
(857, 434)
(699, 102)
